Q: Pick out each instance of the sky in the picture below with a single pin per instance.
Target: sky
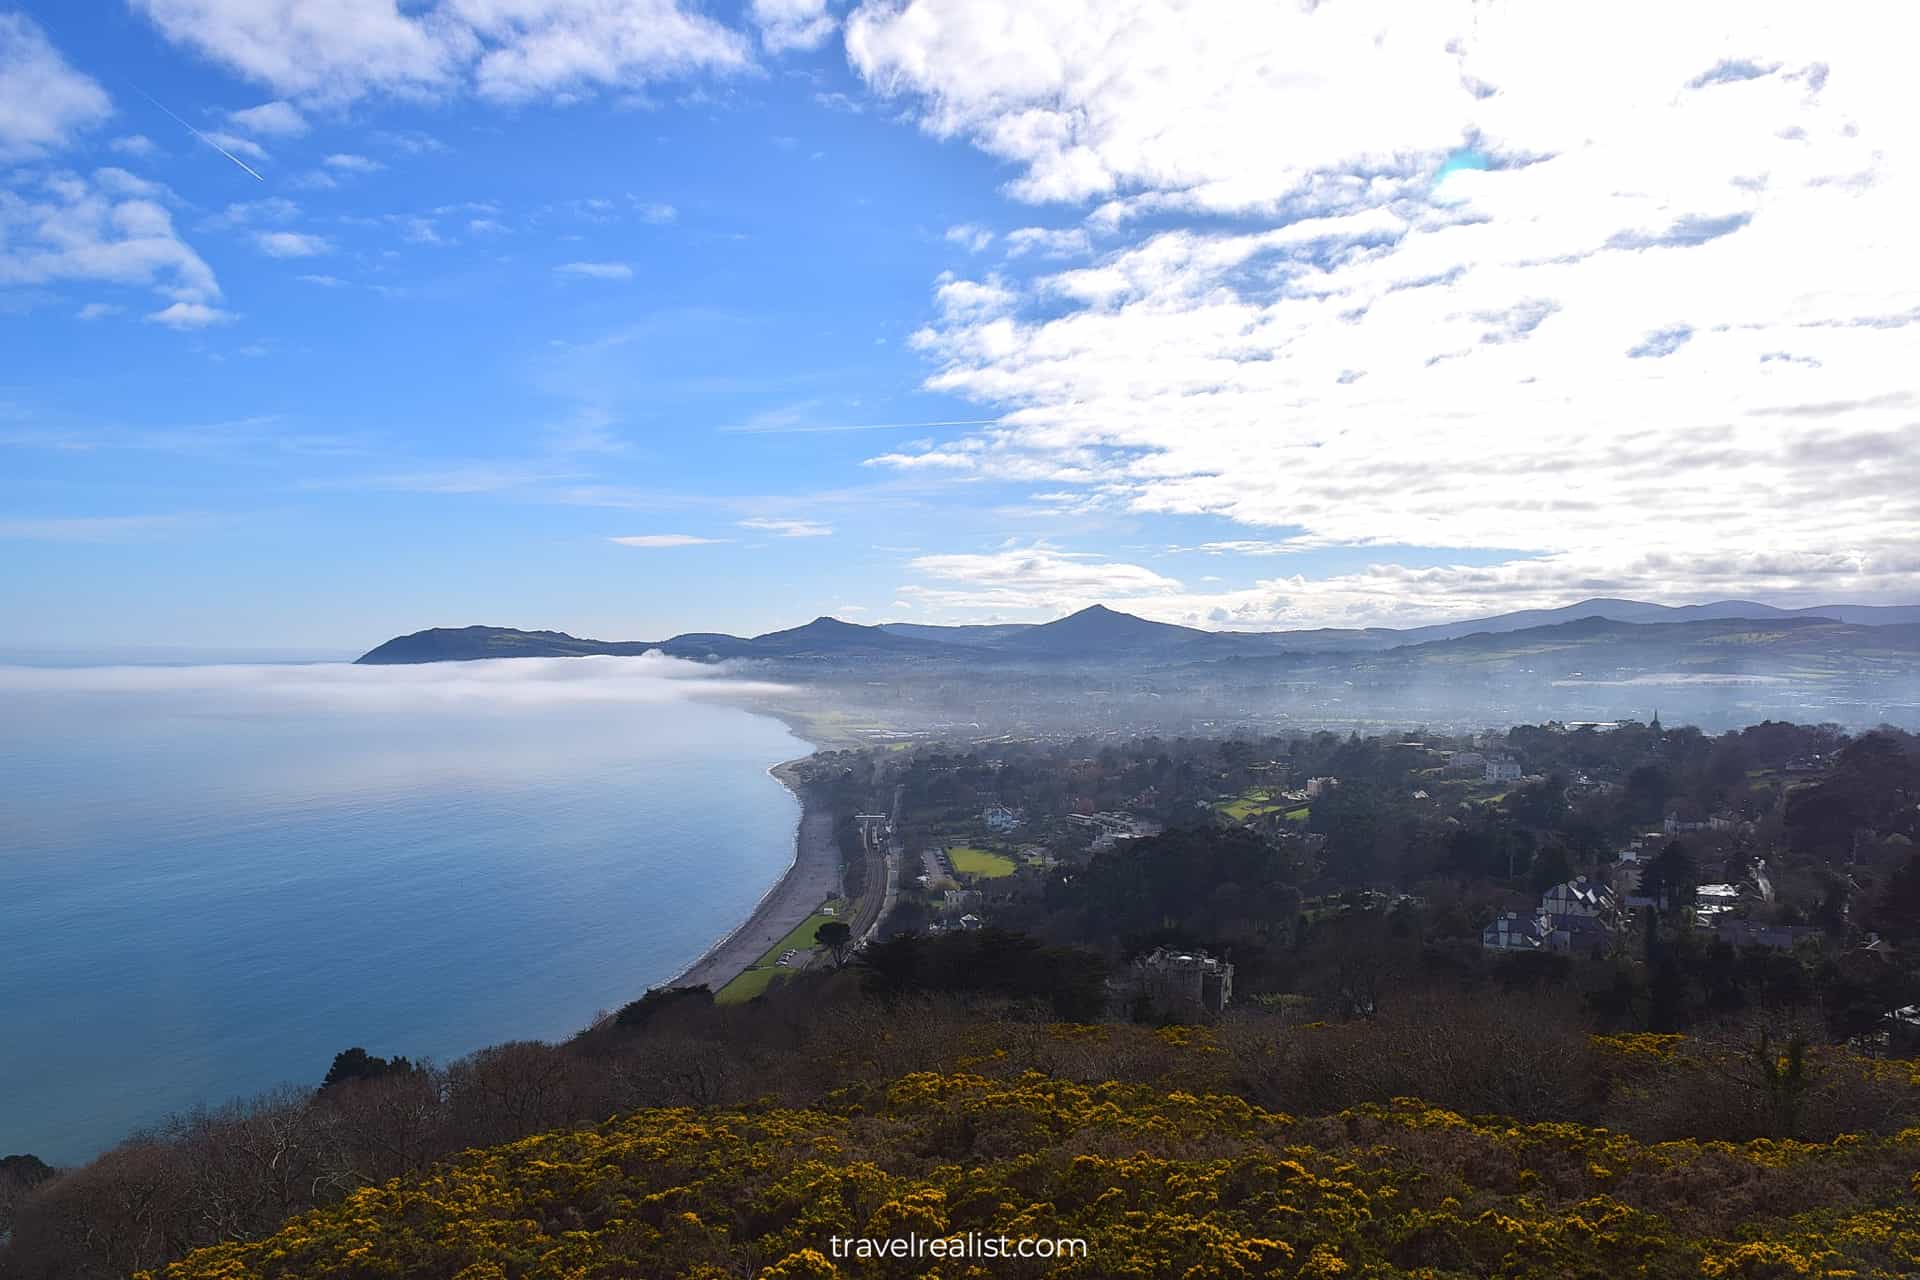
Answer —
(326, 321)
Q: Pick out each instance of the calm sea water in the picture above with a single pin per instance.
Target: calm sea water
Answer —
(213, 880)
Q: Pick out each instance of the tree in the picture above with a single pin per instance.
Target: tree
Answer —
(837, 937)
(1896, 913)
(1671, 879)
(357, 1064)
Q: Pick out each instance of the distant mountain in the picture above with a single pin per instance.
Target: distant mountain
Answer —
(1098, 631)
(1101, 635)
(1640, 611)
(830, 637)
(462, 644)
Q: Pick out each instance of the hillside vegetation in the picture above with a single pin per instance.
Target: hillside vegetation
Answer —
(1159, 1182)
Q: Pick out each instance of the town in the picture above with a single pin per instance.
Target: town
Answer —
(1662, 874)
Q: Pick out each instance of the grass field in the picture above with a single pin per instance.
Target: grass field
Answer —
(748, 985)
(1300, 814)
(762, 972)
(1254, 802)
(980, 862)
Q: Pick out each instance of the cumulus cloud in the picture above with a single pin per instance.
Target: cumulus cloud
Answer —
(270, 119)
(1046, 242)
(504, 49)
(1554, 295)
(972, 238)
(596, 270)
(103, 229)
(792, 24)
(189, 315)
(346, 162)
(44, 102)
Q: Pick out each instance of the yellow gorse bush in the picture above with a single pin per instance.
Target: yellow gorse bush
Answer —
(1181, 1185)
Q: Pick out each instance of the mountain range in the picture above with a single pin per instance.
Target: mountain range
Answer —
(1098, 634)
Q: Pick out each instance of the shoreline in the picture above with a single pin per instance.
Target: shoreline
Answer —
(810, 879)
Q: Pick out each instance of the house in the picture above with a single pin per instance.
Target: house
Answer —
(1501, 769)
(1516, 931)
(1579, 935)
(1579, 897)
(1317, 786)
(1000, 819)
(1182, 981)
(971, 921)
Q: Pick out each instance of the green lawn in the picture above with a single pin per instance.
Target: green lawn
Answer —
(1255, 802)
(748, 985)
(1300, 814)
(802, 935)
(760, 975)
(980, 862)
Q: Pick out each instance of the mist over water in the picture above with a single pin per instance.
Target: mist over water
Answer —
(213, 879)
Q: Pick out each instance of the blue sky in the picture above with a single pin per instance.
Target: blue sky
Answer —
(638, 318)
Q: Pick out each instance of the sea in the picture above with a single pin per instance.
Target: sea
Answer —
(214, 878)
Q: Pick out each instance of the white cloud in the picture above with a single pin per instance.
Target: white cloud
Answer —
(1560, 293)
(596, 270)
(44, 102)
(98, 311)
(504, 49)
(655, 211)
(291, 244)
(243, 213)
(189, 315)
(1037, 577)
(970, 237)
(270, 119)
(345, 162)
(789, 528)
(239, 146)
(1069, 242)
(665, 540)
(324, 281)
(792, 24)
(138, 145)
(69, 228)
(416, 230)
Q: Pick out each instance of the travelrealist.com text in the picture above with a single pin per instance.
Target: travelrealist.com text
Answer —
(971, 1244)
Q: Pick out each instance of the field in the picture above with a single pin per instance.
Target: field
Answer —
(980, 862)
(1257, 802)
(761, 973)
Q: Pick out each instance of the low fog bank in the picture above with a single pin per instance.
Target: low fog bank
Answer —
(496, 684)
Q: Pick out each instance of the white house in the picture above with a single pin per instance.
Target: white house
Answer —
(1578, 897)
(1502, 769)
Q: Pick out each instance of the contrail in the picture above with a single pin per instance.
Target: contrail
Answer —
(203, 137)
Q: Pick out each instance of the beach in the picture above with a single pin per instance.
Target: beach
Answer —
(813, 877)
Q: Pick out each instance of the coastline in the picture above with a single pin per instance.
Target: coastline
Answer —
(810, 879)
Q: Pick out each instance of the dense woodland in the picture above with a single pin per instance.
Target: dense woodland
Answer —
(1616, 1080)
